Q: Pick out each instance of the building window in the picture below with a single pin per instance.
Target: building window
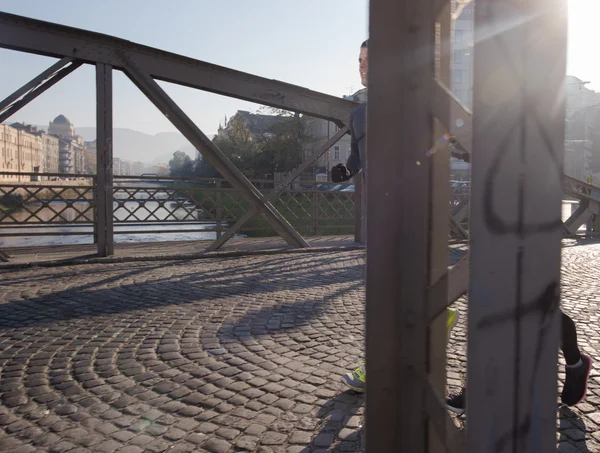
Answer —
(458, 57)
(336, 152)
(456, 76)
(458, 35)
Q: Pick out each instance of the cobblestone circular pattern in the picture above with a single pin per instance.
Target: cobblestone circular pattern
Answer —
(219, 355)
(211, 355)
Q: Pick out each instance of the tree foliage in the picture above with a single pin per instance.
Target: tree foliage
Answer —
(181, 165)
(257, 151)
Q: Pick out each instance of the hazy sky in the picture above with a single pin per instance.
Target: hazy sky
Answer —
(312, 43)
(583, 41)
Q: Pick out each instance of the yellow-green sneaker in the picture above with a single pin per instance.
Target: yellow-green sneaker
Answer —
(357, 379)
(451, 320)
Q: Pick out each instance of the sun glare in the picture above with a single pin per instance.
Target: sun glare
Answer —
(582, 62)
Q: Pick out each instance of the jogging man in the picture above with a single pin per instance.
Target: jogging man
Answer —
(577, 371)
(357, 379)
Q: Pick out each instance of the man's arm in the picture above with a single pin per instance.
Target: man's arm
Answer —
(353, 163)
(342, 172)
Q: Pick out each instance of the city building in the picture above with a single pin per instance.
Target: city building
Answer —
(71, 156)
(71, 146)
(61, 127)
(582, 103)
(51, 152)
(117, 166)
(576, 156)
(582, 143)
(322, 131)
(462, 52)
(89, 150)
(256, 123)
(50, 147)
(461, 75)
(579, 97)
(127, 168)
(26, 149)
(259, 128)
(21, 152)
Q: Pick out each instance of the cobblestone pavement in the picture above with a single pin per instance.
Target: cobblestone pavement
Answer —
(217, 355)
(578, 427)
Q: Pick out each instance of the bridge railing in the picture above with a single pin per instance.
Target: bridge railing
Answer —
(67, 205)
(45, 199)
(311, 207)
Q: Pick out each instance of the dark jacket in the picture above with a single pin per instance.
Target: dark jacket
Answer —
(358, 139)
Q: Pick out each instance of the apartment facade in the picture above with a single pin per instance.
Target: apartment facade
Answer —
(51, 152)
(71, 146)
(20, 152)
(50, 146)
(323, 130)
(89, 150)
(462, 52)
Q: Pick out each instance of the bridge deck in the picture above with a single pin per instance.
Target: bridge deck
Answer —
(218, 355)
(127, 251)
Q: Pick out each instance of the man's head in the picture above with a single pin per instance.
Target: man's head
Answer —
(363, 62)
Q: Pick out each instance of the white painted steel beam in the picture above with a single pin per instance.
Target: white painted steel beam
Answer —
(515, 225)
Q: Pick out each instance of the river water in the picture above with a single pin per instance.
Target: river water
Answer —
(63, 234)
(145, 232)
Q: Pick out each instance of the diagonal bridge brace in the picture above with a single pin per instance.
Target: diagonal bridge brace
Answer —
(36, 86)
(455, 117)
(209, 150)
(277, 191)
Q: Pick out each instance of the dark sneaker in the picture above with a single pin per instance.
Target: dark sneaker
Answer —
(576, 382)
(457, 402)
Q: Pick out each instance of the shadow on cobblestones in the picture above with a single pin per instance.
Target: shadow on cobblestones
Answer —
(572, 430)
(219, 355)
(341, 427)
(81, 295)
(580, 241)
(215, 355)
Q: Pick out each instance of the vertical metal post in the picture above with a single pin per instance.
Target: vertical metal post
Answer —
(219, 210)
(19, 152)
(95, 210)
(359, 232)
(401, 63)
(315, 209)
(104, 153)
(515, 224)
(438, 230)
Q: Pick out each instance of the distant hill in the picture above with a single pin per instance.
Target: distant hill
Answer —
(138, 146)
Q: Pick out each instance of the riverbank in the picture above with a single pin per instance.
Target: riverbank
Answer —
(310, 213)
